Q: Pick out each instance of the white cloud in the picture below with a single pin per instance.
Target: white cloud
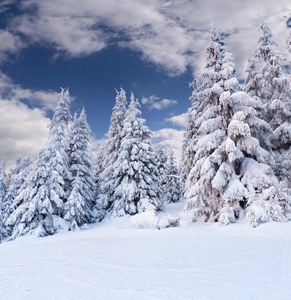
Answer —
(4, 4)
(167, 44)
(22, 130)
(69, 34)
(10, 43)
(170, 34)
(172, 137)
(149, 100)
(164, 104)
(180, 120)
(76, 30)
(154, 102)
(239, 21)
(45, 99)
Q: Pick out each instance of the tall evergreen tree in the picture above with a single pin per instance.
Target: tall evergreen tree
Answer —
(173, 188)
(160, 155)
(135, 171)
(231, 172)
(252, 83)
(274, 87)
(78, 209)
(272, 82)
(98, 170)
(107, 187)
(187, 155)
(44, 191)
(16, 179)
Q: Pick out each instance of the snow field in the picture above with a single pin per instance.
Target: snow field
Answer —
(112, 261)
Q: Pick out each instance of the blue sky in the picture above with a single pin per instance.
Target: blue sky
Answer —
(152, 48)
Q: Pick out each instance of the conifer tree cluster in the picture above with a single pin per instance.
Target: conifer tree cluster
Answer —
(129, 182)
(62, 189)
(236, 159)
(54, 190)
(236, 149)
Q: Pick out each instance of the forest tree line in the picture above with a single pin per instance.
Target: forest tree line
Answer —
(236, 159)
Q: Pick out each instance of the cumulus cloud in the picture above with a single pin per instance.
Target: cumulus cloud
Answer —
(154, 102)
(171, 137)
(170, 34)
(76, 30)
(166, 44)
(239, 22)
(44, 99)
(179, 120)
(22, 130)
(10, 43)
(70, 35)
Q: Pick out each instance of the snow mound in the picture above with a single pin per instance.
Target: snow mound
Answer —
(145, 220)
(169, 221)
(149, 220)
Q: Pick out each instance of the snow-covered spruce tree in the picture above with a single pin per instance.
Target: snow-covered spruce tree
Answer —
(3, 189)
(187, 155)
(201, 198)
(135, 171)
(107, 182)
(16, 179)
(230, 173)
(252, 83)
(44, 191)
(98, 170)
(160, 155)
(273, 83)
(274, 88)
(79, 207)
(173, 180)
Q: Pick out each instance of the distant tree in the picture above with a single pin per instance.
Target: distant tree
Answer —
(231, 173)
(44, 192)
(79, 207)
(135, 171)
(3, 189)
(252, 83)
(187, 155)
(173, 189)
(98, 170)
(160, 155)
(16, 179)
(107, 182)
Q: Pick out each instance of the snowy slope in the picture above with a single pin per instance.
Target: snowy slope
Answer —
(112, 261)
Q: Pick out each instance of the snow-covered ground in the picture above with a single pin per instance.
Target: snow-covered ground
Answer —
(112, 261)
